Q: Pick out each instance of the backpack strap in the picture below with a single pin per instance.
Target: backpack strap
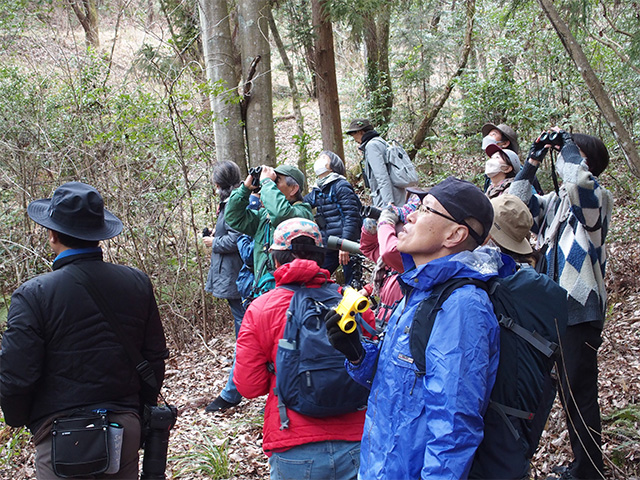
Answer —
(505, 412)
(425, 316)
(536, 340)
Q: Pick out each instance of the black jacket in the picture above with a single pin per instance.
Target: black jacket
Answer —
(59, 352)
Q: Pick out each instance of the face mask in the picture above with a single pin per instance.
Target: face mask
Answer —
(320, 166)
(492, 167)
(488, 140)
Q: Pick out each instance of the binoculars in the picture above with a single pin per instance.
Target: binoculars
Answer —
(255, 173)
(206, 232)
(369, 211)
(351, 304)
(337, 243)
(550, 138)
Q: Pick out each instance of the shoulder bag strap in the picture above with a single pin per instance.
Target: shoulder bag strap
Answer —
(142, 366)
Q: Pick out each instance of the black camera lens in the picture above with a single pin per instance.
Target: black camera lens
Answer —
(158, 422)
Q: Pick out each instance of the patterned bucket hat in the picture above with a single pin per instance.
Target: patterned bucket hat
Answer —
(294, 228)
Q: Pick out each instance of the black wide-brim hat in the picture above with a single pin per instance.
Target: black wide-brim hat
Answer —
(76, 209)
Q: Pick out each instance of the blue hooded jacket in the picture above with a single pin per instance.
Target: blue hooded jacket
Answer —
(430, 426)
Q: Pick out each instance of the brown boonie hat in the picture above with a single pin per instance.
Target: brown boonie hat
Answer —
(507, 131)
(357, 125)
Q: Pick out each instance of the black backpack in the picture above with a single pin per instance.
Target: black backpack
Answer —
(532, 312)
(311, 378)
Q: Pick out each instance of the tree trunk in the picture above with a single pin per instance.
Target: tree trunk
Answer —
(221, 74)
(427, 121)
(295, 97)
(253, 24)
(325, 65)
(88, 17)
(595, 87)
(378, 82)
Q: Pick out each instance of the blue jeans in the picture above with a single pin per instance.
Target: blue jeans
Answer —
(330, 460)
(230, 392)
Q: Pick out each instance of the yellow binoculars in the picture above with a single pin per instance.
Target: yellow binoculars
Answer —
(352, 302)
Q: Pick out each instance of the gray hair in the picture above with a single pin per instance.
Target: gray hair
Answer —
(335, 163)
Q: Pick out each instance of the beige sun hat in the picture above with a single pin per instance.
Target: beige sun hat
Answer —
(512, 222)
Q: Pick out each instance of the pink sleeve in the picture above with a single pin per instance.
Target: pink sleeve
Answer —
(369, 245)
(388, 241)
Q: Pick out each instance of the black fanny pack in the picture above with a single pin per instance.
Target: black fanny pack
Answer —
(80, 445)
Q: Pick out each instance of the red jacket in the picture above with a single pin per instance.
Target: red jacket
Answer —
(262, 326)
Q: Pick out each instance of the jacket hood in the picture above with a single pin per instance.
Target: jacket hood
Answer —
(301, 271)
(366, 137)
(481, 264)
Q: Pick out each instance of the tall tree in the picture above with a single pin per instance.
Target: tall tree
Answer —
(592, 81)
(87, 13)
(253, 22)
(295, 96)
(222, 73)
(430, 116)
(378, 86)
(325, 69)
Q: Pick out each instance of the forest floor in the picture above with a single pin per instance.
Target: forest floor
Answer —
(201, 443)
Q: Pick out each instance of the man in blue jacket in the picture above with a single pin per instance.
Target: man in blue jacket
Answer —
(429, 424)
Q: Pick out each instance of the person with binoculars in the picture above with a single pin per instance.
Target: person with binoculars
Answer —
(429, 424)
(572, 224)
(281, 196)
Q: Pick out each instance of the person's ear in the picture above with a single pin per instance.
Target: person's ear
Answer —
(456, 236)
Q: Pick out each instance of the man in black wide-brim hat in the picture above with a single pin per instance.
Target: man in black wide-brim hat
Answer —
(60, 355)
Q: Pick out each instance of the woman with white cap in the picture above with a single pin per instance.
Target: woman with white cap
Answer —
(501, 168)
(337, 209)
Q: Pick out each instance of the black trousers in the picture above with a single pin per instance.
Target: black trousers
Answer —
(578, 371)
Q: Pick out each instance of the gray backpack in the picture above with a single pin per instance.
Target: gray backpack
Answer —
(402, 172)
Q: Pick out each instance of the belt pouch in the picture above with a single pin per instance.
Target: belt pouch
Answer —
(79, 446)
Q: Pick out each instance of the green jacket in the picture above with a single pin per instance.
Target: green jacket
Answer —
(260, 224)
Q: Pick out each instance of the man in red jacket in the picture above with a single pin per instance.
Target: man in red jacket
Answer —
(312, 448)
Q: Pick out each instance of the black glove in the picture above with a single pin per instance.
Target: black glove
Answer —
(537, 150)
(347, 343)
(566, 137)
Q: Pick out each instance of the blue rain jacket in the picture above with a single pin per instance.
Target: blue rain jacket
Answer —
(430, 426)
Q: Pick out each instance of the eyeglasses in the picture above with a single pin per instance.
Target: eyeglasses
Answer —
(424, 209)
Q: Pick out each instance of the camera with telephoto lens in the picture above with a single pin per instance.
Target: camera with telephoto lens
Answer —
(550, 138)
(369, 211)
(156, 424)
(255, 173)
